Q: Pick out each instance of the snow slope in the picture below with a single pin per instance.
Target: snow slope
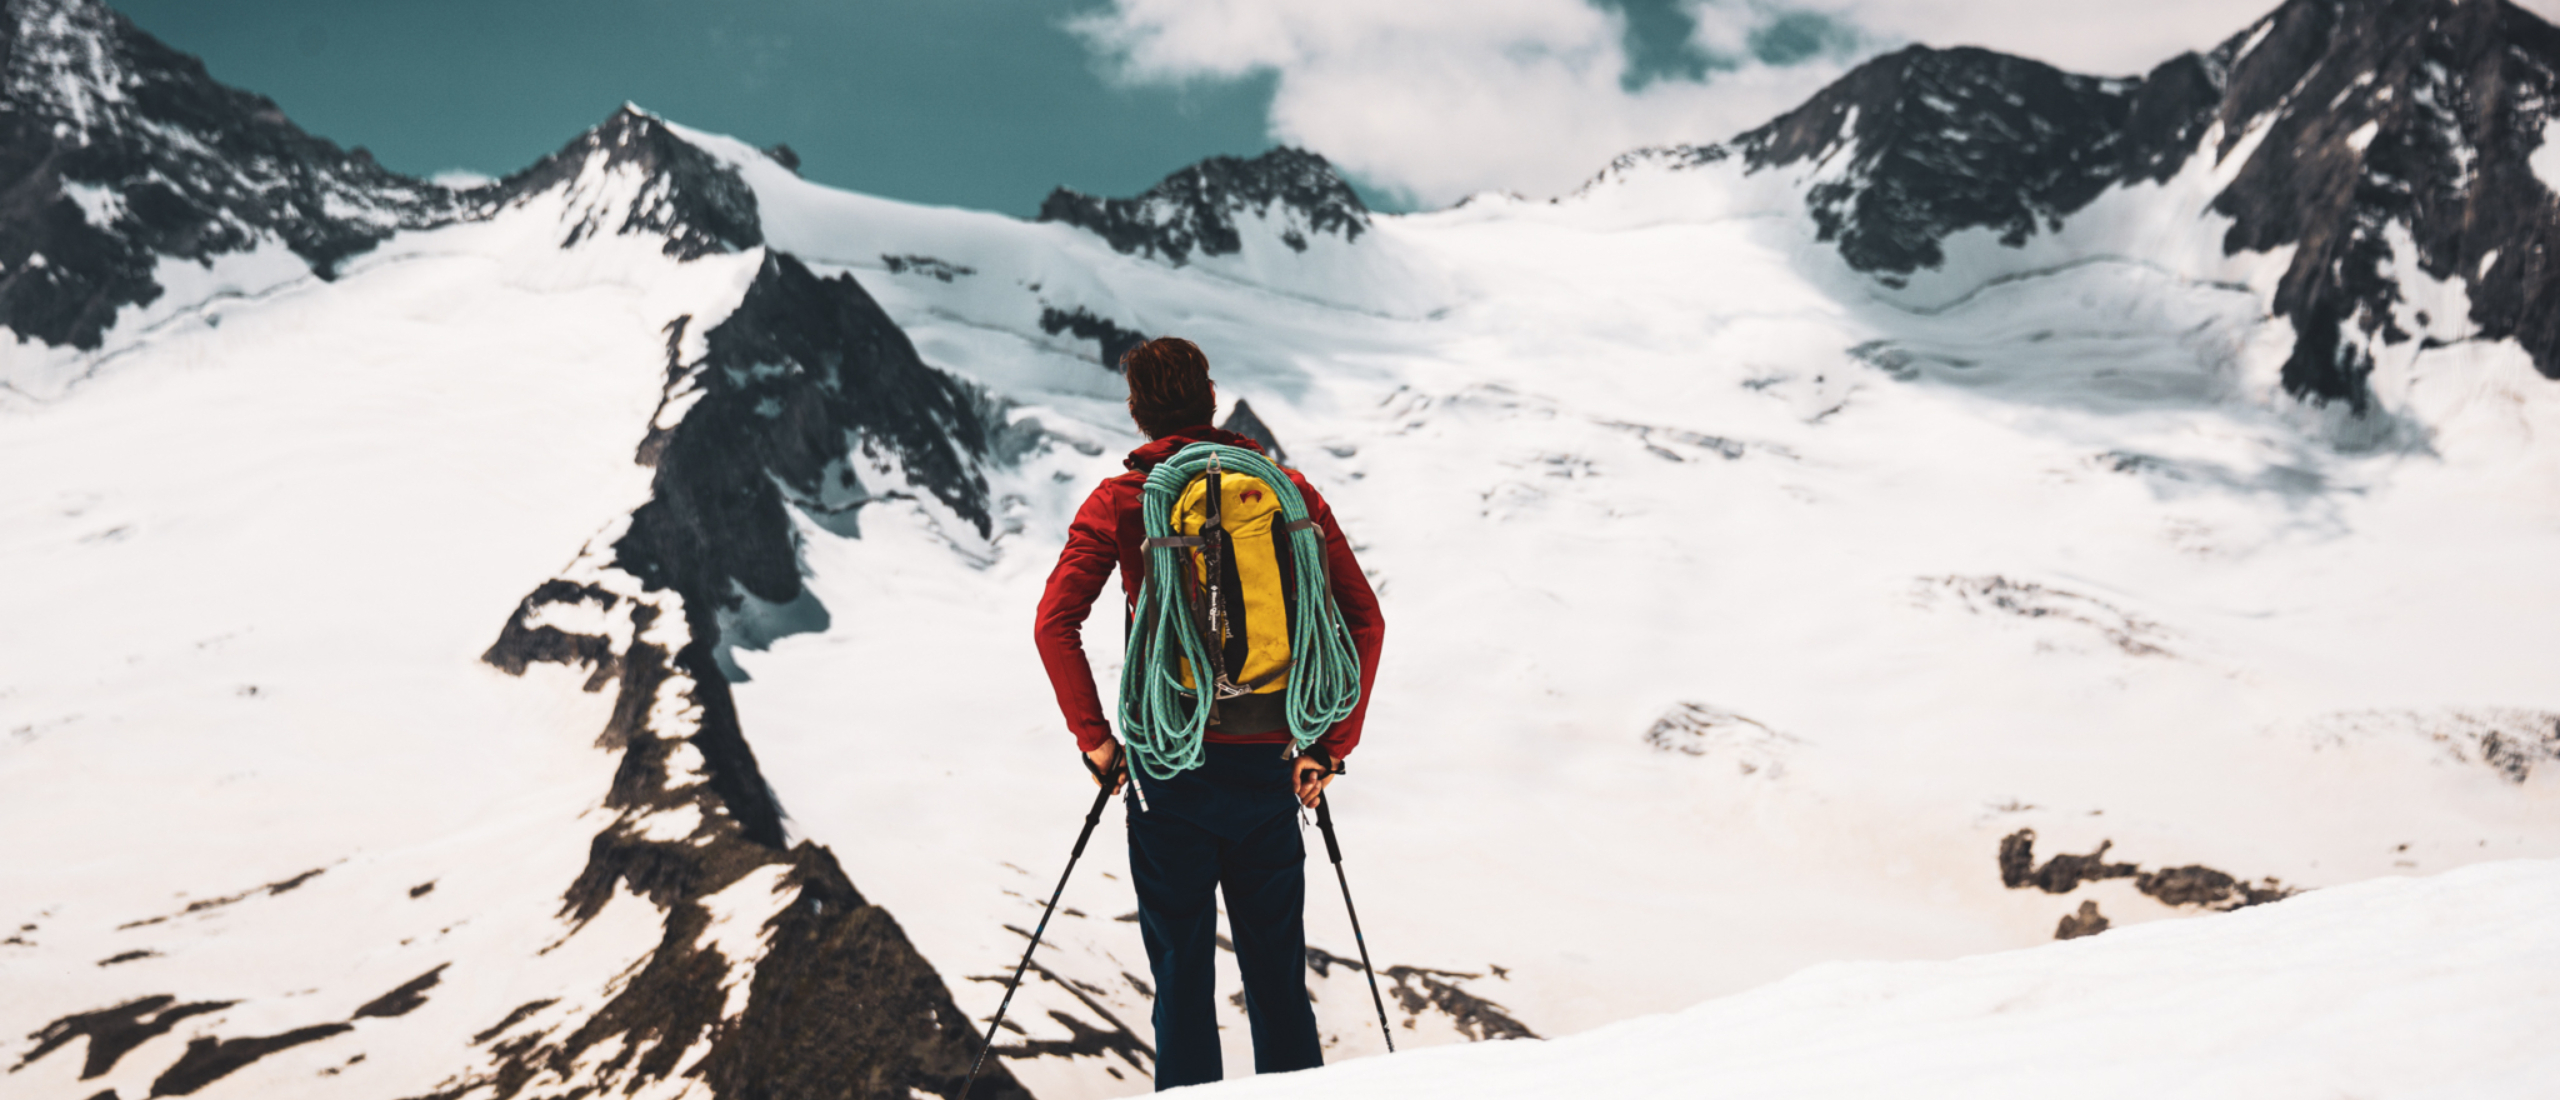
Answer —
(255, 563)
(2388, 988)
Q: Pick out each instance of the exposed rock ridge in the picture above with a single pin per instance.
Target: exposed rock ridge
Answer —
(2387, 117)
(116, 150)
(1938, 141)
(1199, 208)
(1111, 340)
(117, 153)
(674, 188)
(837, 1002)
(804, 391)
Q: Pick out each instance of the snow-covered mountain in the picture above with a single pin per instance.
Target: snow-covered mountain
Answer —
(570, 634)
(128, 164)
(2379, 144)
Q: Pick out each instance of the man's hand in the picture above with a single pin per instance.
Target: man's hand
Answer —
(1313, 774)
(1104, 763)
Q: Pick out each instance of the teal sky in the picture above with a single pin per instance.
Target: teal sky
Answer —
(978, 103)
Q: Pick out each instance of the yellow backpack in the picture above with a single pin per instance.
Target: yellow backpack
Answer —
(1235, 630)
(1242, 591)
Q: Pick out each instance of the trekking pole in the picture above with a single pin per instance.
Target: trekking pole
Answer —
(1333, 848)
(1092, 818)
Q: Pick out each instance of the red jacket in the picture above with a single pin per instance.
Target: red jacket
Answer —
(1108, 532)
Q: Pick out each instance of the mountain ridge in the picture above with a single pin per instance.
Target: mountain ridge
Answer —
(2369, 114)
(1197, 207)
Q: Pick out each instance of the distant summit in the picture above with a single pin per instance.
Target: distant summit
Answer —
(672, 187)
(1939, 141)
(1201, 208)
(2355, 121)
(116, 150)
(1243, 421)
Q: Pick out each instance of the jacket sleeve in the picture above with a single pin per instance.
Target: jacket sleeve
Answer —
(1083, 568)
(1360, 613)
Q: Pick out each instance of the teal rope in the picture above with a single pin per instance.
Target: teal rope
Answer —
(1162, 722)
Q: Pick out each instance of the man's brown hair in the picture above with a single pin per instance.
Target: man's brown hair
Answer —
(1169, 387)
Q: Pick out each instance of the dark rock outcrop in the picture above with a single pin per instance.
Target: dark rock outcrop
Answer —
(1242, 421)
(804, 386)
(2059, 875)
(1107, 335)
(2204, 886)
(2190, 885)
(2088, 921)
(209, 1060)
(1417, 990)
(406, 998)
(1197, 209)
(114, 1032)
(2513, 751)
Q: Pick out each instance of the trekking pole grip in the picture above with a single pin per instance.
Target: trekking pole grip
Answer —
(1324, 822)
(1101, 798)
(1091, 818)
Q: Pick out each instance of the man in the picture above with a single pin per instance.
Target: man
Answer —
(1230, 822)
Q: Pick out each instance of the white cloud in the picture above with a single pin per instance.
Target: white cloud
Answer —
(1438, 99)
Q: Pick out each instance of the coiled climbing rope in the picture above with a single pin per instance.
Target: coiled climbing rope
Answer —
(1162, 722)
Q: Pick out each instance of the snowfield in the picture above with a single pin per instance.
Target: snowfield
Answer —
(1747, 614)
(2395, 987)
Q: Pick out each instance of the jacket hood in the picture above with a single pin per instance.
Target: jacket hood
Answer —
(1163, 447)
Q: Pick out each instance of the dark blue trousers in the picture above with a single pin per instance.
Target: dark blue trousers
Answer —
(1229, 825)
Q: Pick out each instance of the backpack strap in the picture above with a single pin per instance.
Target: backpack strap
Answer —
(1264, 680)
(1159, 542)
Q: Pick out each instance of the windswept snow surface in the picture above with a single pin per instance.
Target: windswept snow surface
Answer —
(2394, 988)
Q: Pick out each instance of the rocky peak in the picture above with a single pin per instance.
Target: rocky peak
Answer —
(632, 174)
(2377, 120)
(116, 150)
(1939, 141)
(2414, 119)
(1198, 208)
